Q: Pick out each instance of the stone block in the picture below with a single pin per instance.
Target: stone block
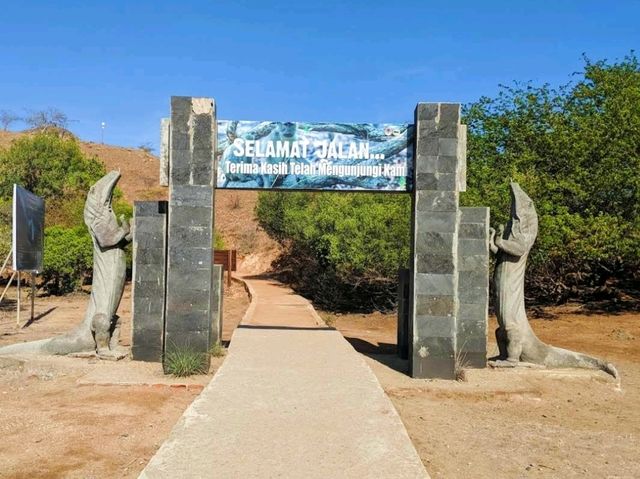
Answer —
(437, 222)
(426, 181)
(435, 326)
(427, 146)
(447, 147)
(434, 263)
(449, 113)
(435, 284)
(472, 247)
(426, 164)
(432, 305)
(446, 181)
(473, 262)
(436, 242)
(476, 313)
(428, 201)
(426, 111)
(425, 363)
(473, 231)
(191, 196)
(469, 214)
(447, 164)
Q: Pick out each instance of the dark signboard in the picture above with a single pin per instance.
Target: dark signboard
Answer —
(28, 230)
(315, 156)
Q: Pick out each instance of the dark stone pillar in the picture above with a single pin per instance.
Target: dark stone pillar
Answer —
(190, 272)
(149, 256)
(473, 287)
(439, 170)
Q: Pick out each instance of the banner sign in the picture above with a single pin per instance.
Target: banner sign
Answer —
(315, 156)
(28, 230)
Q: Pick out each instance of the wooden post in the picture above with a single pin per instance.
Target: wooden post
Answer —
(229, 268)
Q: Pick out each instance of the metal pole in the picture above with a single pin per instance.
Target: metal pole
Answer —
(19, 305)
(33, 294)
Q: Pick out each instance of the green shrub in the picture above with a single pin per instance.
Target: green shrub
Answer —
(217, 350)
(575, 150)
(344, 249)
(184, 361)
(218, 241)
(47, 164)
(68, 258)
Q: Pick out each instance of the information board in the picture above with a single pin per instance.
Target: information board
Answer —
(315, 156)
(28, 230)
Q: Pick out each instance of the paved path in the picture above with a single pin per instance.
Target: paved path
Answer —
(292, 400)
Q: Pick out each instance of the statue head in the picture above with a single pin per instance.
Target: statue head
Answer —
(524, 219)
(98, 213)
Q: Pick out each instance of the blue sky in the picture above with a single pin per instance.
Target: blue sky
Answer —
(120, 61)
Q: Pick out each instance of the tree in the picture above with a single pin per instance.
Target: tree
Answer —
(50, 118)
(576, 151)
(343, 249)
(48, 165)
(7, 118)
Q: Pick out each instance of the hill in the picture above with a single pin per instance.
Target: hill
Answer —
(235, 219)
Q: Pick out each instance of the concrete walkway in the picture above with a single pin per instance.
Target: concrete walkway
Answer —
(293, 399)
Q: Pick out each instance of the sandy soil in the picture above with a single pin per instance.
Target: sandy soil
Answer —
(84, 418)
(519, 423)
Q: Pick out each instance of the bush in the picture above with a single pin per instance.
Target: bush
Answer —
(52, 166)
(344, 249)
(68, 258)
(48, 165)
(575, 150)
(218, 241)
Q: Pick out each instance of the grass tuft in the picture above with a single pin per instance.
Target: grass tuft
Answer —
(184, 361)
(217, 350)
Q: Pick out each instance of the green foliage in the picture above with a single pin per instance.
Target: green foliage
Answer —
(576, 151)
(68, 257)
(344, 248)
(5, 228)
(218, 241)
(184, 361)
(217, 350)
(53, 166)
(48, 165)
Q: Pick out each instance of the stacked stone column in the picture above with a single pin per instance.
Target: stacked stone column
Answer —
(149, 261)
(473, 287)
(439, 176)
(191, 282)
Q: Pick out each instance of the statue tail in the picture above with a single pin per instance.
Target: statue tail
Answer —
(75, 342)
(563, 358)
(32, 347)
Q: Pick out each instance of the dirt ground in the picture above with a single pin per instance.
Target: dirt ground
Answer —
(519, 423)
(85, 418)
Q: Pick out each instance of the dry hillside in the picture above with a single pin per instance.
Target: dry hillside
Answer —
(235, 219)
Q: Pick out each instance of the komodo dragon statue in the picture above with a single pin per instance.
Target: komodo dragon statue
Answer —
(100, 329)
(516, 340)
